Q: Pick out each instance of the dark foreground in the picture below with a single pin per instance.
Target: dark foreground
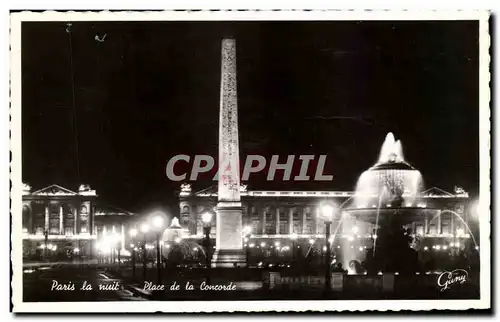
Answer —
(70, 283)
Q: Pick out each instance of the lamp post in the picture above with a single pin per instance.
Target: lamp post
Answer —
(207, 220)
(144, 231)
(293, 237)
(158, 223)
(246, 234)
(133, 234)
(327, 212)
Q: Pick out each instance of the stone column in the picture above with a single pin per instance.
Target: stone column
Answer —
(61, 223)
(31, 228)
(75, 218)
(193, 214)
(426, 225)
(304, 219)
(439, 231)
(317, 221)
(93, 232)
(255, 212)
(197, 220)
(46, 223)
(277, 220)
(264, 210)
(78, 219)
(290, 220)
(314, 221)
(91, 218)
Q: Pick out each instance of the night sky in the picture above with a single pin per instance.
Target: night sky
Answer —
(150, 91)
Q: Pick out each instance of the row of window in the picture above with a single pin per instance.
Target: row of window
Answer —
(55, 230)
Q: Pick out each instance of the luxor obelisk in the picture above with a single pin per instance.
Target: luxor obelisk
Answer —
(229, 244)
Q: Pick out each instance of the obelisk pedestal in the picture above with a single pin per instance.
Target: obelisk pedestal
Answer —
(229, 245)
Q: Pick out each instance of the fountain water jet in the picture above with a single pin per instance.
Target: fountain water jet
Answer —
(461, 220)
(390, 149)
(376, 224)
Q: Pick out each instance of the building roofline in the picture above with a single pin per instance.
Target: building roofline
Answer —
(314, 194)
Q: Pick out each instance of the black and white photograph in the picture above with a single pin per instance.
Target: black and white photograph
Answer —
(250, 161)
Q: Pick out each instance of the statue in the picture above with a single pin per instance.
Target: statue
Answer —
(186, 187)
(84, 187)
(85, 190)
(26, 188)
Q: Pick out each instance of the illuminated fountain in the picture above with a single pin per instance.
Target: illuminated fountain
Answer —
(387, 194)
(174, 232)
(390, 187)
(176, 249)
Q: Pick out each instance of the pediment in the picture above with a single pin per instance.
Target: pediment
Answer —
(54, 190)
(437, 192)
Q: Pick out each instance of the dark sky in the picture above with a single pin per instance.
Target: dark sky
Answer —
(151, 91)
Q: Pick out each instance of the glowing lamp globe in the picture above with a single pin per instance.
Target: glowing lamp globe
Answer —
(327, 212)
(206, 217)
(144, 228)
(158, 221)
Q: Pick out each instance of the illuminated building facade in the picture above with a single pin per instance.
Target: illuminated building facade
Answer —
(282, 218)
(59, 222)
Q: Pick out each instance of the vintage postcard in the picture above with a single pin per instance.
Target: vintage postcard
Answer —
(221, 161)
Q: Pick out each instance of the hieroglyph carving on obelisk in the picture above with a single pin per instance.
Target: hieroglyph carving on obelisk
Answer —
(229, 161)
(229, 244)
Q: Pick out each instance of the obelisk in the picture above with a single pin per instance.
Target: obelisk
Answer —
(229, 246)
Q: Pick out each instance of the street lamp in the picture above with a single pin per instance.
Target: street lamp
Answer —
(158, 223)
(133, 234)
(327, 212)
(144, 231)
(247, 230)
(206, 217)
